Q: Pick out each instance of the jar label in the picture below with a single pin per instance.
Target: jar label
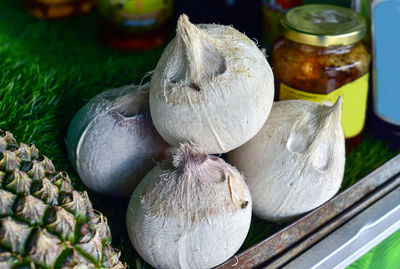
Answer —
(354, 96)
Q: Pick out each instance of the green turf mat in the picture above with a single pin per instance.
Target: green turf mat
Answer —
(49, 69)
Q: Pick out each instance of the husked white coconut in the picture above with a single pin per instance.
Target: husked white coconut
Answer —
(190, 211)
(296, 162)
(212, 86)
(112, 142)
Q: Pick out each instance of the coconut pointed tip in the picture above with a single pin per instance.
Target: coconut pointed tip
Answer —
(185, 28)
(334, 112)
(188, 153)
(339, 101)
(337, 107)
(183, 19)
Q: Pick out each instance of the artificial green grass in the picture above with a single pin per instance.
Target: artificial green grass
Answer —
(49, 69)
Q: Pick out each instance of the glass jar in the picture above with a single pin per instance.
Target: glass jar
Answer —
(320, 57)
(136, 24)
(52, 9)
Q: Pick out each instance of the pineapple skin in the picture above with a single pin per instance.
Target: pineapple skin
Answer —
(44, 222)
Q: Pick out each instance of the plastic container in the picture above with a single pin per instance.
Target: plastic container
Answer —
(386, 79)
(320, 57)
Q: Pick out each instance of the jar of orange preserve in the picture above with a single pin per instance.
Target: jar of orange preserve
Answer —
(136, 24)
(320, 57)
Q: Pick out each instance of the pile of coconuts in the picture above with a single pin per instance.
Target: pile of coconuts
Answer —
(211, 93)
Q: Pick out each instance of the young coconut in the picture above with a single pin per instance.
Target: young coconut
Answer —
(296, 162)
(112, 141)
(190, 211)
(212, 86)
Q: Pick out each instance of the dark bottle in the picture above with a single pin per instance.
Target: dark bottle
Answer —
(273, 11)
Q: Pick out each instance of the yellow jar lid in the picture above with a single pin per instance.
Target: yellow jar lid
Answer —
(323, 25)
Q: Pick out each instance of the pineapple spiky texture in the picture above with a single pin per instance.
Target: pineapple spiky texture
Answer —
(44, 222)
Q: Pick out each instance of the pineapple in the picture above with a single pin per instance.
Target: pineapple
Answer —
(44, 222)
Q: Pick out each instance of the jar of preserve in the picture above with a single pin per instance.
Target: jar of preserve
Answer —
(136, 24)
(320, 57)
(52, 9)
